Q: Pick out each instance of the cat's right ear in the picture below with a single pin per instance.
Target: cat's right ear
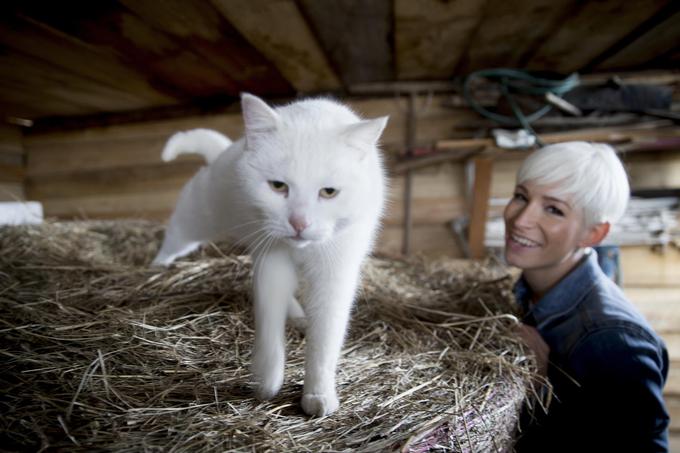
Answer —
(258, 117)
(365, 134)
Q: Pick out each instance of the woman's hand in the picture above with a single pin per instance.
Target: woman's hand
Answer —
(534, 341)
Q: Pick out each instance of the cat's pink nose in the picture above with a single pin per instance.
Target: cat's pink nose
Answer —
(298, 223)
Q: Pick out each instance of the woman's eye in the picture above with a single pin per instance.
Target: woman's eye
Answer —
(328, 192)
(278, 186)
(555, 211)
(519, 196)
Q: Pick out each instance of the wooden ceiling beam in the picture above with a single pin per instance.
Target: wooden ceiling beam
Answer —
(653, 38)
(280, 33)
(103, 26)
(588, 30)
(403, 87)
(431, 36)
(508, 30)
(20, 35)
(44, 83)
(355, 35)
(199, 32)
(186, 66)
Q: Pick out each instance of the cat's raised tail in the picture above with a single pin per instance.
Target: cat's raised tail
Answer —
(206, 142)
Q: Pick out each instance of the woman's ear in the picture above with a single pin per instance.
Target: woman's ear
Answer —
(595, 234)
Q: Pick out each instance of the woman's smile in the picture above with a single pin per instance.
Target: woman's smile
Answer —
(518, 241)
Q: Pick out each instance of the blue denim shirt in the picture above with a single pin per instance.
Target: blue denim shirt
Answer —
(606, 364)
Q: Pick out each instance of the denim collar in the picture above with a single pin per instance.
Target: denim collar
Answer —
(563, 297)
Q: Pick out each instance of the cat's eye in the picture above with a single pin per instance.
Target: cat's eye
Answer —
(328, 192)
(278, 186)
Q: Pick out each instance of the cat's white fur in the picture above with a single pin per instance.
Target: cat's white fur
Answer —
(298, 238)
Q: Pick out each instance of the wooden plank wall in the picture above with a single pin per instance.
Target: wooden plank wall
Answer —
(116, 171)
(652, 283)
(12, 167)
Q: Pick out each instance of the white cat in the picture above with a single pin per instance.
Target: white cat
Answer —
(304, 190)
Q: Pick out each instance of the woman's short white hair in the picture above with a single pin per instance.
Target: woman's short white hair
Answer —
(589, 174)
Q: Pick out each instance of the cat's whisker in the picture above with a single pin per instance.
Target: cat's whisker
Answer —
(241, 225)
(262, 222)
(246, 240)
(250, 237)
(263, 245)
(232, 231)
(253, 250)
(275, 227)
(245, 230)
(269, 244)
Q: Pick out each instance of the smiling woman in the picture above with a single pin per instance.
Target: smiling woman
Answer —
(566, 198)
(606, 365)
(545, 235)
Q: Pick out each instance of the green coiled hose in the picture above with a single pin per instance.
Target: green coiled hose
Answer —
(520, 82)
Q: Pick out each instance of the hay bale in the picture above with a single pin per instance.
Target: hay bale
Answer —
(101, 352)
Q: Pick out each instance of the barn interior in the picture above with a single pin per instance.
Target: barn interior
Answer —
(91, 91)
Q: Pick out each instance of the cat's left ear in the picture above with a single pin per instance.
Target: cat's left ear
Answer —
(258, 117)
(365, 134)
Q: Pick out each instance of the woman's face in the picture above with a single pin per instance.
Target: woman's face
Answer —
(542, 230)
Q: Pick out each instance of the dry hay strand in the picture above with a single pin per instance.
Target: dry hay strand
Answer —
(100, 352)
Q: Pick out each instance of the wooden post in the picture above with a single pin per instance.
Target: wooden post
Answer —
(408, 177)
(12, 164)
(481, 188)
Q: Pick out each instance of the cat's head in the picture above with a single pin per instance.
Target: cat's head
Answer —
(312, 168)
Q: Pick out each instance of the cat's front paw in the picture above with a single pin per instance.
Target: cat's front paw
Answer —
(320, 404)
(269, 380)
(265, 392)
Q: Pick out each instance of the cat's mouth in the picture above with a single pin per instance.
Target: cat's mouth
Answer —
(298, 241)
